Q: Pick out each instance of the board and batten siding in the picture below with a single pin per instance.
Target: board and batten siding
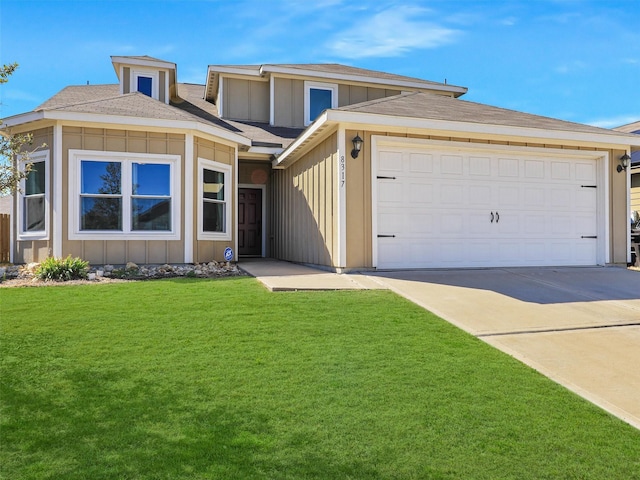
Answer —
(303, 208)
(289, 99)
(350, 94)
(635, 191)
(246, 100)
(288, 102)
(28, 251)
(101, 252)
(208, 250)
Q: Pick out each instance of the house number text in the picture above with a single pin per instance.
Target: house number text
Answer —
(342, 171)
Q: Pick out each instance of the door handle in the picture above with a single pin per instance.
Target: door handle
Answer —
(497, 217)
(492, 217)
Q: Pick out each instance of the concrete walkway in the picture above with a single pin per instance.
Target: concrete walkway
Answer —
(279, 276)
(578, 326)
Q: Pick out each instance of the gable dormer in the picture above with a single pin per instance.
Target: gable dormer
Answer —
(293, 95)
(147, 75)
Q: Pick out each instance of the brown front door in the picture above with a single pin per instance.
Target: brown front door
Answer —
(250, 221)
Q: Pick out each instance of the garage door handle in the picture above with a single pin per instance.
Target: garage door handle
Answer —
(386, 236)
(492, 217)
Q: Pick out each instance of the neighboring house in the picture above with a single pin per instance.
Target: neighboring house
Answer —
(262, 159)
(634, 167)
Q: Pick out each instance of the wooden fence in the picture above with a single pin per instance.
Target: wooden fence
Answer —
(5, 237)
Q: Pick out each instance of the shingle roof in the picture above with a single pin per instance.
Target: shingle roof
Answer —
(107, 100)
(336, 68)
(78, 94)
(629, 128)
(440, 107)
(260, 133)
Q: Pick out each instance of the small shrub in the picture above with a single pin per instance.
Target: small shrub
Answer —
(62, 269)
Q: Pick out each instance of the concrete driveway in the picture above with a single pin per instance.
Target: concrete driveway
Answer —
(578, 326)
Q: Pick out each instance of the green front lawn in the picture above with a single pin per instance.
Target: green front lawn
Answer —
(221, 379)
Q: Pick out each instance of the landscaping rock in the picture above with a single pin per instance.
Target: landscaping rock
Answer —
(24, 274)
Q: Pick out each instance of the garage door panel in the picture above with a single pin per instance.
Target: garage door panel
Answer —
(452, 223)
(586, 172)
(452, 195)
(438, 209)
(390, 161)
(560, 170)
(421, 193)
(451, 164)
(508, 167)
(391, 192)
(480, 195)
(420, 163)
(586, 199)
(534, 169)
(480, 166)
(508, 222)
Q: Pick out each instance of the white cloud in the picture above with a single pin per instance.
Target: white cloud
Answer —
(508, 21)
(616, 121)
(571, 67)
(391, 33)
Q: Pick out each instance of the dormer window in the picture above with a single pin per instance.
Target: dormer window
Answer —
(150, 76)
(145, 82)
(318, 97)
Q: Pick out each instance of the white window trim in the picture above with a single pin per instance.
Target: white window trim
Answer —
(308, 85)
(225, 169)
(127, 159)
(40, 156)
(155, 81)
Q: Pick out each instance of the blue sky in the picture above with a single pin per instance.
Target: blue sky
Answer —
(577, 60)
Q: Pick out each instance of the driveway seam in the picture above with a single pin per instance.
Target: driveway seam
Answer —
(556, 330)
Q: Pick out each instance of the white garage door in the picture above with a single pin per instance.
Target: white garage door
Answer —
(442, 208)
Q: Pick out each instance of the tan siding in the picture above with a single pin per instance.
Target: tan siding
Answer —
(162, 91)
(118, 252)
(253, 173)
(259, 93)
(289, 102)
(246, 100)
(359, 228)
(351, 94)
(126, 80)
(635, 192)
(208, 250)
(618, 210)
(303, 208)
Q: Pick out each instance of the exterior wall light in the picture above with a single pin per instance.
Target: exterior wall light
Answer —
(357, 146)
(624, 162)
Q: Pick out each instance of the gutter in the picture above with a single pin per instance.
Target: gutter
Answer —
(446, 127)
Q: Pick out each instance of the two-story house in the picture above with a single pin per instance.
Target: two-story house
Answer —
(321, 164)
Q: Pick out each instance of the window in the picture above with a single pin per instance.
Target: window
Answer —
(145, 86)
(317, 98)
(146, 82)
(33, 202)
(119, 195)
(214, 209)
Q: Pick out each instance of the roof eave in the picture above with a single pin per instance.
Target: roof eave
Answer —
(456, 90)
(447, 128)
(123, 120)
